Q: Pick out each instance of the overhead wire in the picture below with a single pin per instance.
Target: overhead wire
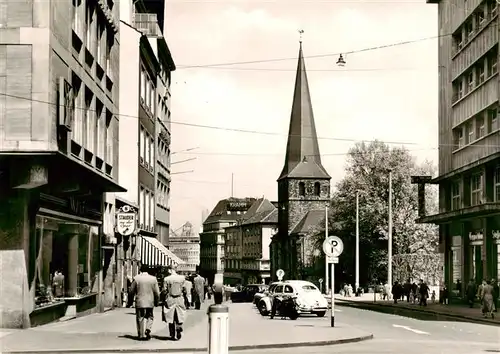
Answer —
(250, 131)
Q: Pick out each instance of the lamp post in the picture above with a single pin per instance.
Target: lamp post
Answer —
(389, 250)
(356, 284)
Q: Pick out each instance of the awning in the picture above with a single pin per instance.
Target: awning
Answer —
(153, 253)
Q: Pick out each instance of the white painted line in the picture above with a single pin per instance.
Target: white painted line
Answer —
(411, 329)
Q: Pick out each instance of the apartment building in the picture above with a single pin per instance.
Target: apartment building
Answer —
(469, 139)
(212, 239)
(247, 246)
(59, 126)
(146, 65)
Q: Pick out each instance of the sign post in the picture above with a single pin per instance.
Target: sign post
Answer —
(320, 285)
(333, 248)
(280, 273)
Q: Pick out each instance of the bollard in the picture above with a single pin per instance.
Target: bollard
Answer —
(218, 329)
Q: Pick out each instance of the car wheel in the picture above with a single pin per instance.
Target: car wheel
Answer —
(321, 314)
(263, 309)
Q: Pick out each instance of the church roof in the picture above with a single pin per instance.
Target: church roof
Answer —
(313, 223)
(302, 159)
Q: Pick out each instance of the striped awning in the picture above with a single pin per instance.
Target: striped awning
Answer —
(153, 253)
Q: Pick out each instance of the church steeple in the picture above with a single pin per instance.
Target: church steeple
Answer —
(302, 159)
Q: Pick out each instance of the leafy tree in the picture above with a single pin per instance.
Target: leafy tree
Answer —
(414, 245)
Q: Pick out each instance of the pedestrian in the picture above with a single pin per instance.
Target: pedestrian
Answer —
(423, 291)
(174, 309)
(58, 284)
(496, 294)
(471, 293)
(198, 291)
(397, 291)
(487, 299)
(188, 299)
(146, 292)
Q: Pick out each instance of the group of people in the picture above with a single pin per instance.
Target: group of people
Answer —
(487, 292)
(413, 292)
(177, 295)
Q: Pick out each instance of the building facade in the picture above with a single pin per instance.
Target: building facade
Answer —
(212, 239)
(59, 126)
(247, 247)
(303, 186)
(146, 64)
(469, 140)
(186, 246)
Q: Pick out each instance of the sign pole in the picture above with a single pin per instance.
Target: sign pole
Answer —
(332, 313)
(326, 256)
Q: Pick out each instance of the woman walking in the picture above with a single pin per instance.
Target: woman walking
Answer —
(174, 308)
(487, 299)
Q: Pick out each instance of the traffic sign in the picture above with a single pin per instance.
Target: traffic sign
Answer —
(331, 259)
(333, 246)
(126, 220)
(280, 273)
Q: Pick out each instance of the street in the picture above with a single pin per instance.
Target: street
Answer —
(392, 334)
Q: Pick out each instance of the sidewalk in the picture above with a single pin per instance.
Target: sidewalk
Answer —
(451, 311)
(248, 330)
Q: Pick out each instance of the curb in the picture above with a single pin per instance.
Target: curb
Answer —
(396, 309)
(202, 349)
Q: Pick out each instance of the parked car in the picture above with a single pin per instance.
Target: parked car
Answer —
(307, 296)
(264, 292)
(247, 293)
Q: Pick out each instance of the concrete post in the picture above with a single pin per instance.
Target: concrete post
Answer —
(218, 329)
(72, 276)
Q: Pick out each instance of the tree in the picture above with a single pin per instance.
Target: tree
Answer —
(414, 245)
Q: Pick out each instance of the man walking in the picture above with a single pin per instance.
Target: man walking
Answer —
(174, 310)
(147, 293)
(199, 291)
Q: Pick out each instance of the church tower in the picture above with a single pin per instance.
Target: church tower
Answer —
(304, 184)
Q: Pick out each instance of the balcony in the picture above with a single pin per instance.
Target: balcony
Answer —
(147, 24)
(475, 48)
(478, 99)
(481, 148)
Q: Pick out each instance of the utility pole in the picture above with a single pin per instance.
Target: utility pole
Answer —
(389, 253)
(356, 284)
(327, 283)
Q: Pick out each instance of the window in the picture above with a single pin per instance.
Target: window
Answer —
(492, 63)
(147, 145)
(480, 128)
(109, 138)
(492, 120)
(458, 88)
(480, 18)
(143, 85)
(109, 44)
(469, 28)
(302, 189)
(100, 126)
(77, 133)
(89, 18)
(141, 206)
(100, 32)
(492, 7)
(89, 121)
(470, 81)
(317, 189)
(152, 210)
(458, 40)
(76, 17)
(480, 72)
(459, 137)
(469, 133)
(456, 200)
(476, 189)
(148, 92)
(497, 184)
(146, 208)
(152, 99)
(152, 147)
(142, 140)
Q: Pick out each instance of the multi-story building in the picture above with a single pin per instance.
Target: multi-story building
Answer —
(225, 214)
(247, 246)
(146, 64)
(59, 126)
(469, 141)
(186, 246)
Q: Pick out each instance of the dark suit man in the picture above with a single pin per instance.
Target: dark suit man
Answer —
(146, 291)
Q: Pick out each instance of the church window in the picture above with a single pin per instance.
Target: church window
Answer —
(302, 189)
(317, 189)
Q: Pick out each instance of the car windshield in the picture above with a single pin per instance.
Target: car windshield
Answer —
(309, 288)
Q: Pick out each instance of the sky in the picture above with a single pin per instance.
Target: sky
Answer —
(389, 94)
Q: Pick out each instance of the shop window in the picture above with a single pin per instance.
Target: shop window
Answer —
(66, 260)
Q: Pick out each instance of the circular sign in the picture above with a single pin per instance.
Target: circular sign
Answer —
(320, 280)
(280, 273)
(126, 209)
(333, 246)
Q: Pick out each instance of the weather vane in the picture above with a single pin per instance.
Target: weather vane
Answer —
(300, 35)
